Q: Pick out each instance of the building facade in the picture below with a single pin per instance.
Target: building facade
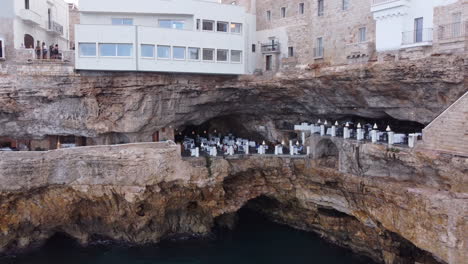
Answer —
(25, 23)
(188, 36)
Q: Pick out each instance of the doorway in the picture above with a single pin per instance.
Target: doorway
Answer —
(268, 62)
(156, 136)
(2, 53)
(418, 30)
(28, 41)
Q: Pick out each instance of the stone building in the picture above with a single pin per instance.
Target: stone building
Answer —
(316, 33)
(25, 23)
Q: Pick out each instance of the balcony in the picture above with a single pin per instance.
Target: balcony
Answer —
(454, 31)
(416, 38)
(271, 47)
(318, 53)
(30, 17)
(54, 28)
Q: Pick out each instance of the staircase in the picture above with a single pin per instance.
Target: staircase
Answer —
(449, 131)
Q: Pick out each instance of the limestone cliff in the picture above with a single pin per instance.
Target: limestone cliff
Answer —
(142, 193)
(38, 100)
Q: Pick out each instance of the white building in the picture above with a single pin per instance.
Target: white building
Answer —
(404, 23)
(190, 36)
(24, 23)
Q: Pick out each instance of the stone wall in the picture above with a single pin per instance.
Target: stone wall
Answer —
(447, 36)
(449, 131)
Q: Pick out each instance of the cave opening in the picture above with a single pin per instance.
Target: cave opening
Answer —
(327, 154)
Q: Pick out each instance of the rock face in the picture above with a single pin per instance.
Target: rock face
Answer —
(39, 100)
(142, 193)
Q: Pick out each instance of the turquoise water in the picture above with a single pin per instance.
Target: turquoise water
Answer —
(254, 241)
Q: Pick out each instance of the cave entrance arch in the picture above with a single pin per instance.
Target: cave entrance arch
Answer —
(327, 154)
(28, 41)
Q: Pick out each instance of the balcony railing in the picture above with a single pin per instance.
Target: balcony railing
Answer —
(318, 53)
(417, 36)
(271, 48)
(55, 28)
(30, 16)
(452, 31)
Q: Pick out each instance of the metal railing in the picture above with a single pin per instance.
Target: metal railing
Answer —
(55, 27)
(318, 52)
(417, 36)
(271, 47)
(451, 31)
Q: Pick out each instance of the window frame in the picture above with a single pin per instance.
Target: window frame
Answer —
(301, 8)
(179, 47)
(227, 56)
(227, 26)
(361, 31)
(154, 51)
(213, 23)
(122, 19)
(188, 54)
(213, 54)
(320, 8)
(231, 28)
(344, 5)
(116, 46)
(240, 56)
(290, 51)
(88, 56)
(163, 58)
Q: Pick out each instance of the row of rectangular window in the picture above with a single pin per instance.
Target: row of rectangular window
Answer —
(301, 10)
(205, 25)
(163, 52)
(192, 53)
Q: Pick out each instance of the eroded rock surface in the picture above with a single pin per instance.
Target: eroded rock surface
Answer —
(39, 100)
(142, 193)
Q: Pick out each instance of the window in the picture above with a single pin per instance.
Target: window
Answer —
(268, 15)
(208, 25)
(236, 56)
(108, 50)
(222, 55)
(320, 8)
(124, 50)
(457, 24)
(194, 53)
(222, 26)
(236, 28)
(301, 8)
(318, 53)
(254, 47)
(290, 51)
(208, 54)
(113, 50)
(164, 52)
(344, 4)
(198, 24)
(362, 34)
(283, 12)
(147, 51)
(87, 49)
(178, 53)
(122, 21)
(26, 4)
(175, 24)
